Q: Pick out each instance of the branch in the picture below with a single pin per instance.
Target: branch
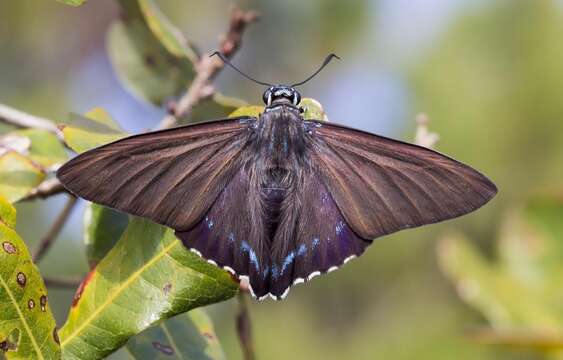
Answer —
(208, 68)
(244, 324)
(20, 119)
(46, 189)
(54, 231)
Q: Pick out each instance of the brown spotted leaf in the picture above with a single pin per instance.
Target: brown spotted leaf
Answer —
(189, 336)
(147, 277)
(27, 326)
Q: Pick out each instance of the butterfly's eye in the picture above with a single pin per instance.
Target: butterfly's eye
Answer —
(296, 97)
(267, 97)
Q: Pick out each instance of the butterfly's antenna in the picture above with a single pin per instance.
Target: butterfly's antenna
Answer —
(325, 63)
(227, 62)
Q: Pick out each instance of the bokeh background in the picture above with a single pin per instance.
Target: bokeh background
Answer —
(488, 73)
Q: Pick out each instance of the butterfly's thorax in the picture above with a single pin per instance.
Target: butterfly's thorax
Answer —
(280, 137)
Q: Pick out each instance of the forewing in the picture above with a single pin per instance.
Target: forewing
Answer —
(171, 176)
(383, 185)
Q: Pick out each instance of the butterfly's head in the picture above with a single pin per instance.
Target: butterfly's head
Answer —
(280, 94)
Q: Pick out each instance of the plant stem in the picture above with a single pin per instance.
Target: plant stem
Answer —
(50, 237)
(244, 326)
(20, 119)
(208, 68)
(46, 189)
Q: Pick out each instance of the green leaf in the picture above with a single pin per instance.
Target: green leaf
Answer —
(216, 107)
(7, 213)
(18, 175)
(147, 54)
(313, 110)
(147, 277)
(520, 292)
(95, 128)
(27, 326)
(170, 37)
(189, 336)
(72, 2)
(103, 227)
(46, 149)
(250, 110)
(490, 289)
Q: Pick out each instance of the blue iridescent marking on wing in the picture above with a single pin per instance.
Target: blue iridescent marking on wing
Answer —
(315, 243)
(275, 272)
(339, 227)
(209, 223)
(302, 250)
(287, 261)
(290, 258)
(251, 254)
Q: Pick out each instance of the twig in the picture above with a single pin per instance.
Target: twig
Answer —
(208, 68)
(65, 283)
(45, 189)
(20, 119)
(244, 325)
(423, 136)
(54, 231)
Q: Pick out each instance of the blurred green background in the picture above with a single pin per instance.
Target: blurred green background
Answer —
(488, 73)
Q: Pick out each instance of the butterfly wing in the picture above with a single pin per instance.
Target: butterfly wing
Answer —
(318, 237)
(382, 185)
(231, 235)
(171, 176)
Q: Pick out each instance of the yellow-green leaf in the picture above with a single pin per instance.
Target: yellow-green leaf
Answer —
(170, 36)
(188, 336)
(519, 292)
(250, 110)
(218, 106)
(490, 289)
(18, 175)
(27, 326)
(45, 149)
(95, 128)
(147, 277)
(72, 2)
(312, 110)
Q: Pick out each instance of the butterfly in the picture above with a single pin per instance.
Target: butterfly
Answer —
(276, 199)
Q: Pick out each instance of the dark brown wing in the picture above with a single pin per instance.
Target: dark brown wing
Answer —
(383, 185)
(171, 176)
